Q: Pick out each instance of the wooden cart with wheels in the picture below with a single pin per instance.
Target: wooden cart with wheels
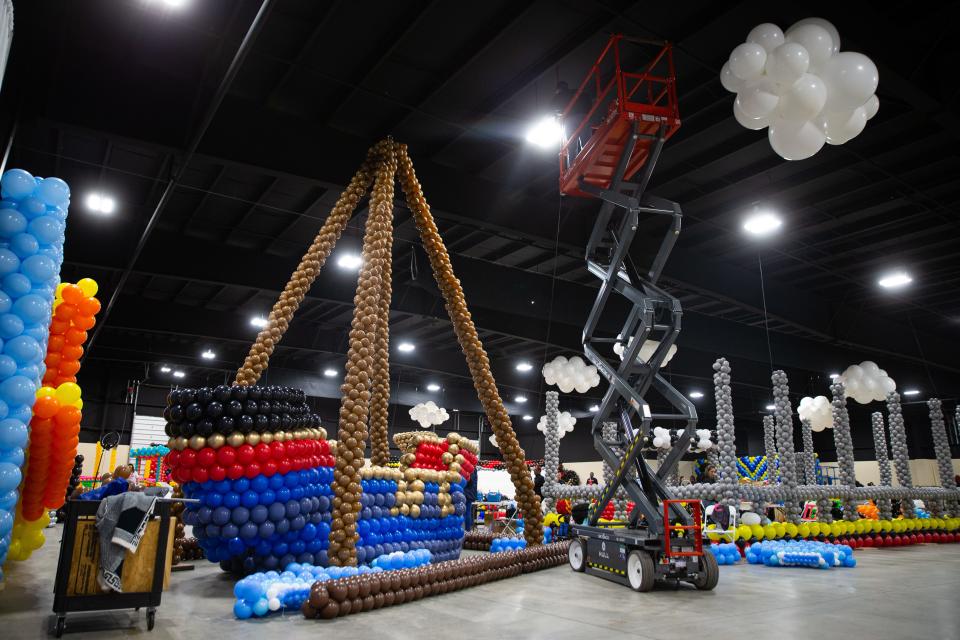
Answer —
(75, 587)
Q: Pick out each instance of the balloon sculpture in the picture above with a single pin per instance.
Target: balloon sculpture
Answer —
(33, 213)
(800, 85)
(55, 426)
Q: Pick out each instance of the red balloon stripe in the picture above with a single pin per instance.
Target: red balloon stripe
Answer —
(248, 460)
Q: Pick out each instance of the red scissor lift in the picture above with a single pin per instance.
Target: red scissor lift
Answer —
(618, 122)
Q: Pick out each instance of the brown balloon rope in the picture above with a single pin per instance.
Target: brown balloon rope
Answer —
(304, 275)
(476, 357)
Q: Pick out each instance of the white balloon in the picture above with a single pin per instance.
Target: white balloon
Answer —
(804, 100)
(767, 35)
(871, 106)
(787, 63)
(795, 141)
(840, 127)
(730, 82)
(758, 100)
(851, 79)
(815, 39)
(747, 60)
(820, 22)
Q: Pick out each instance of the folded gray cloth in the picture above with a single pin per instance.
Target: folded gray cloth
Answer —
(121, 521)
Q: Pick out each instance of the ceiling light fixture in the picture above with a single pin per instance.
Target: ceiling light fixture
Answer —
(178, 374)
(330, 373)
(101, 203)
(208, 355)
(349, 261)
(520, 399)
(594, 408)
(527, 418)
(696, 395)
(911, 392)
(406, 347)
(433, 386)
(895, 280)
(164, 369)
(834, 375)
(771, 407)
(523, 367)
(258, 321)
(762, 223)
(546, 133)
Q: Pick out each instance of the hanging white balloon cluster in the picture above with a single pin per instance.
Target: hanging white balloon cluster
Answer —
(866, 382)
(703, 442)
(570, 374)
(818, 411)
(565, 423)
(646, 350)
(428, 414)
(661, 438)
(800, 85)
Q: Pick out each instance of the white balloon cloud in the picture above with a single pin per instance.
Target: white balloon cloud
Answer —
(661, 438)
(867, 382)
(570, 374)
(565, 422)
(646, 350)
(800, 85)
(428, 414)
(818, 411)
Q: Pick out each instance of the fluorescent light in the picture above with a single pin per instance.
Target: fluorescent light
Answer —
(834, 375)
(523, 367)
(433, 386)
(762, 223)
(546, 133)
(101, 203)
(527, 418)
(520, 399)
(164, 369)
(258, 321)
(911, 392)
(330, 373)
(178, 374)
(406, 347)
(696, 395)
(349, 261)
(175, 4)
(895, 280)
(771, 407)
(594, 408)
(208, 355)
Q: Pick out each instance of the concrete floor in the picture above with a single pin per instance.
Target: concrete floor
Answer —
(911, 592)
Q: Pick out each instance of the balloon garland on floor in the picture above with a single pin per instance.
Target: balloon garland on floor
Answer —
(33, 216)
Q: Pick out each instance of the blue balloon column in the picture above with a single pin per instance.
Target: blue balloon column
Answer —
(33, 215)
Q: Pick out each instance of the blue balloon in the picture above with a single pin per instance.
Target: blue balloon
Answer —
(32, 207)
(10, 324)
(9, 499)
(242, 610)
(16, 284)
(10, 477)
(240, 515)
(13, 456)
(46, 229)
(17, 184)
(220, 516)
(38, 332)
(12, 222)
(9, 262)
(38, 268)
(13, 434)
(54, 192)
(24, 245)
(24, 350)
(6, 523)
(6, 303)
(18, 390)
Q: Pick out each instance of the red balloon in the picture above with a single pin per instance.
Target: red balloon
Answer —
(200, 474)
(226, 456)
(234, 471)
(172, 458)
(252, 470)
(206, 457)
(262, 451)
(867, 542)
(217, 473)
(269, 468)
(188, 458)
(245, 454)
(283, 466)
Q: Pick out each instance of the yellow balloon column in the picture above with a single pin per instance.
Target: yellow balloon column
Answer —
(55, 427)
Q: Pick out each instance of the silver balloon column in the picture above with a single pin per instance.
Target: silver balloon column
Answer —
(843, 441)
(941, 447)
(883, 462)
(551, 450)
(770, 448)
(726, 435)
(898, 447)
(783, 414)
(808, 457)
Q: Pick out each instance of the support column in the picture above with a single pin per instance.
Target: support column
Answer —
(898, 448)
(809, 460)
(770, 448)
(726, 438)
(843, 441)
(883, 461)
(941, 447)
(784, 431)
(551, 450)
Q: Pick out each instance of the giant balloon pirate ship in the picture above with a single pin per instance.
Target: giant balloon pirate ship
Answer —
(272, 488)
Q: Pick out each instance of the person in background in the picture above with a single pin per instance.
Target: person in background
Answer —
(470, 494)
(592, 479)
(119, 483)
(709, 475)
(538, 481)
